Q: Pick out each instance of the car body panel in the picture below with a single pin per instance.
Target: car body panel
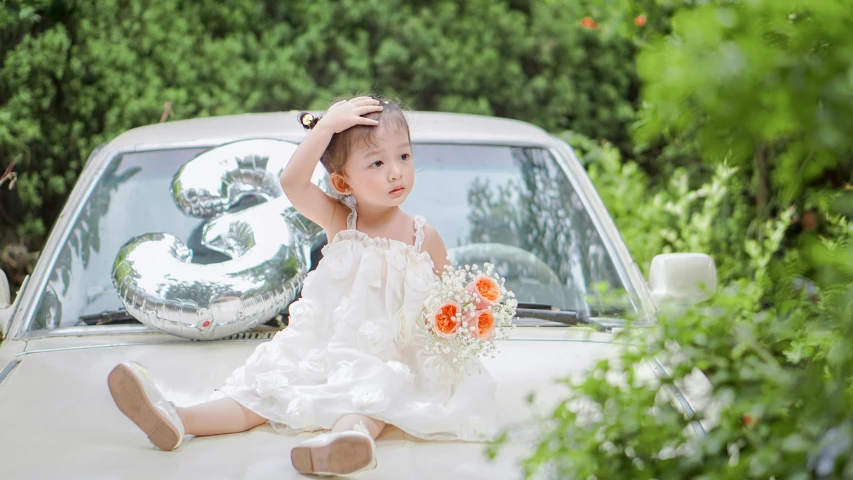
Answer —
(65, 424)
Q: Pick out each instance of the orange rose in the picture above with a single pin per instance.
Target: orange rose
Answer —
(485, 290)
(445, 319)
(485, 324)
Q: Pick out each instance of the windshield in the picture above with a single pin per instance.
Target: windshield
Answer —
(512, 206)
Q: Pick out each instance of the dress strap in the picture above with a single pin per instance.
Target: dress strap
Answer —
(419, 232)
(351, 218)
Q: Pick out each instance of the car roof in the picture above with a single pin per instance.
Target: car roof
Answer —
(426, 127)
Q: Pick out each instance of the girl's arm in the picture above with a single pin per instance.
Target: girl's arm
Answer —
(434, 246)
(307, 198)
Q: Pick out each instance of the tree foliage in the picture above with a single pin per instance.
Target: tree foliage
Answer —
(760, 84)
(75, 74)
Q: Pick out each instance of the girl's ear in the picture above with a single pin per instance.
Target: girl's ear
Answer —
(339, 183)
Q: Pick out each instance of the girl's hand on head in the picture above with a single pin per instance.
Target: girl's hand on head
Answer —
(348, 113)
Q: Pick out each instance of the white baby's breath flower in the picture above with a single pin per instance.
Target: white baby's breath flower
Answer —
(464, 347)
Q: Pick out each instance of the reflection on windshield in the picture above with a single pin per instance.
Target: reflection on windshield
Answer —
(513, 207)
(516, 208)
(132, 197)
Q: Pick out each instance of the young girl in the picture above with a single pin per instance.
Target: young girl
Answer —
(351, 359)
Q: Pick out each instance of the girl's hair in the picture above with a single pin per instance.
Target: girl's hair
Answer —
(336, 154)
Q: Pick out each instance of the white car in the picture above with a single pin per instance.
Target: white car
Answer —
(479, 180)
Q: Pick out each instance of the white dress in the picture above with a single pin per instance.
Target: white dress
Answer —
(354, 345)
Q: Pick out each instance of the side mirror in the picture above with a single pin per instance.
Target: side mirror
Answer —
(5, 292)
(685, 278)
(5, 304)
(7, 307)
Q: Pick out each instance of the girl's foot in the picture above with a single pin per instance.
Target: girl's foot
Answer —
(140, 400)
(336, 453)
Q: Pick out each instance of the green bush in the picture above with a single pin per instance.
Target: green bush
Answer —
(673, 217)
(761, 90)
(772, 412)
(779, 402)
(75, 74)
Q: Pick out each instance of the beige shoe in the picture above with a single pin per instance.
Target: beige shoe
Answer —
(336, 453)
(139, 399)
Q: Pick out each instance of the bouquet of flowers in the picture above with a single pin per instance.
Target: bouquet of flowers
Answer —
(466, 313)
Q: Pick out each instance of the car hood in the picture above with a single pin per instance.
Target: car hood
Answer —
(57, 419)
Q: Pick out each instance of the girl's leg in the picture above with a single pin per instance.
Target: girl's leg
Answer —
(348, 422)
(136, 395)
(345, 450)
(217, 417)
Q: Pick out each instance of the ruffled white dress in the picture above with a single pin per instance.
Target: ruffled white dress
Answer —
(354, 345)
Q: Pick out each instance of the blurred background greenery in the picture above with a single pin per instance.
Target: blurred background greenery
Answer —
(718, 126)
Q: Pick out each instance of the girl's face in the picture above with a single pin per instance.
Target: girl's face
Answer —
(381, 173)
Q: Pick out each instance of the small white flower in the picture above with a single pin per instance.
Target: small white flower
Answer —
(397, 260)
(401, 369)
(369, 398)
(373, 338)
(338, 256)
(437, 370)
(314, 364)
(300, 412)
(342, 373)
(344, 310)
(269, 383)
(304, 310)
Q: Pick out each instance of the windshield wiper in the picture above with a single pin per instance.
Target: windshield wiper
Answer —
(565, 317)
(524, 310)
(108, 317)
(121, 316)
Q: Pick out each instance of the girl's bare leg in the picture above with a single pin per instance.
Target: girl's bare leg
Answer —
(339, 452)
(217, 417)
(347, 422)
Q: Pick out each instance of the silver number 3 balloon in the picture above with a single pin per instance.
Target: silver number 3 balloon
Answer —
(269, 246)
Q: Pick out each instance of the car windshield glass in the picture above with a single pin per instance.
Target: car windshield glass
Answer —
(516, 208)
(512, 206)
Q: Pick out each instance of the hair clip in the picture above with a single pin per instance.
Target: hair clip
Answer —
(308, 120)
